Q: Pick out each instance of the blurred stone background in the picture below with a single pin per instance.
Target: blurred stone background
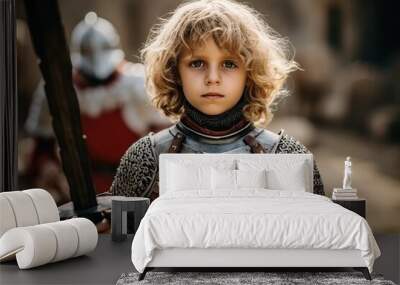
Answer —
(345, 102)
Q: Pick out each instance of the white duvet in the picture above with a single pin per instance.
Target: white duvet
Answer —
(252, 218)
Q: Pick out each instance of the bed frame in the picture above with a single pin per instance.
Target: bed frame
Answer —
(248, 259)
(260, 259)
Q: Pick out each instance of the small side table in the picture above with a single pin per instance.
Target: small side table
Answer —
(120, 206)
(357, 206)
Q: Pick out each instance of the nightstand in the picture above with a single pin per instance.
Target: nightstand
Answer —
(120, 208)
(357, 206)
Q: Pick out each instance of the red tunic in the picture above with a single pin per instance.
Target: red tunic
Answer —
(112, 119)
(107, 139)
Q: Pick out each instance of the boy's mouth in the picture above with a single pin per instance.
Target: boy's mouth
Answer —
(212, 95)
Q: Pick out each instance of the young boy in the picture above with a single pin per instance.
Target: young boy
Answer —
(215, 67)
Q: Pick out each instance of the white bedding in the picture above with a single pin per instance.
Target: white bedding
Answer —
(251, 218)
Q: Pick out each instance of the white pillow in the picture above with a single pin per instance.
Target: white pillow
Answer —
(226, 179)
(181, 177)
(251, 179)
(284, 172)
(293, 179)
(223, 179)
(199, 160)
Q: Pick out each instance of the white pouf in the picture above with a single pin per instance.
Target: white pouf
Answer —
(66, 237)
(87, 235)
(45, 205)
(26, 208)
(23, 208)
(7, 218)
(40, 244)
(33, 246)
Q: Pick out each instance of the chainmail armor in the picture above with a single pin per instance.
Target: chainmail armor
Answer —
(137, 171)
(289, 144)
(137, 174)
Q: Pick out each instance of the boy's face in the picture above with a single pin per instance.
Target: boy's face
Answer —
(212, 79)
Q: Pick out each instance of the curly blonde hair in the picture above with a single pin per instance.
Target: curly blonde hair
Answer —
(233, 26)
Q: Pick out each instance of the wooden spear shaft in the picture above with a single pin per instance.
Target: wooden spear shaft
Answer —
(48, 38)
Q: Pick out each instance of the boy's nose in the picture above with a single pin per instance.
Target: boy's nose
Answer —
(213, 76)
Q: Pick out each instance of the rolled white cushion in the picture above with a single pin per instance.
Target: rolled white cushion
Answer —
(67, 240)
(87, 235)
(45, 205)
(34, 245)
(26, 208)
(40, 244)
(7, 218)
(23, 208)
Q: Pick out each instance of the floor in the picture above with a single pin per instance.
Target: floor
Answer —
(389, 262)
(110, 260)
(102, 266)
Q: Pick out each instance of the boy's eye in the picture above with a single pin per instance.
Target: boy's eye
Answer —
(229, 64)
(196, 64)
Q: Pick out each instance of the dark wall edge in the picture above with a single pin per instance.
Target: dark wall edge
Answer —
(8, 97)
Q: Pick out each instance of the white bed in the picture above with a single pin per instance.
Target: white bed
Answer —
(198, 223)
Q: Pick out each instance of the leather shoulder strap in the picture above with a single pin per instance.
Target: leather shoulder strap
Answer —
(176, 144)
(255, 146)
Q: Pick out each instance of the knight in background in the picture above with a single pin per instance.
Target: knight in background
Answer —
(115, 109)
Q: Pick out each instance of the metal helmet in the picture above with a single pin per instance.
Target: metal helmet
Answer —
(95, 47)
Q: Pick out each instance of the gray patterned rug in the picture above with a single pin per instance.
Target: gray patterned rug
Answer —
(242, 278)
